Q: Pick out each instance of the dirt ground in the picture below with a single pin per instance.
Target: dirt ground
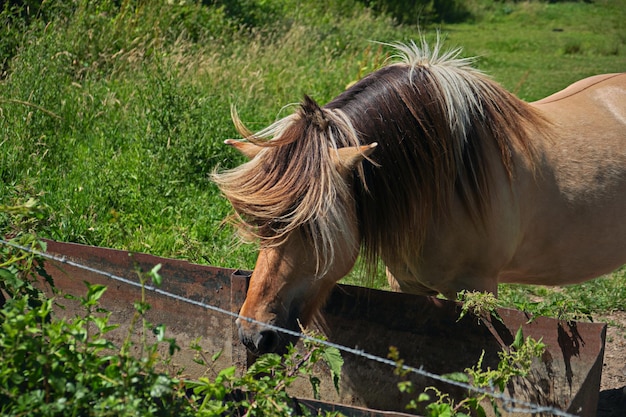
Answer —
(613, 385)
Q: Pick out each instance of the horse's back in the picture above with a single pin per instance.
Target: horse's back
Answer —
(588, 121)
(590, 83)
(588, 124)
(596, 104)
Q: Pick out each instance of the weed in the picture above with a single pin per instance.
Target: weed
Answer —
(20, 268)
(52, 366)
(262, 389)
(480, 304)
(515, 361)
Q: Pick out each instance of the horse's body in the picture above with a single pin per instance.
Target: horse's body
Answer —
(571, 219)
(454, 183)
(558, 222)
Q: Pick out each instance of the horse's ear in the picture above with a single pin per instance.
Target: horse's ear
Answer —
(249, 150)
(348, 157)
(312, 112)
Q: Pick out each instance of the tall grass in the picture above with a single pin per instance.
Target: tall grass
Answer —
(113, 113)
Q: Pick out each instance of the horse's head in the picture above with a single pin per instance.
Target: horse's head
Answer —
(286, 288)
(294, 196)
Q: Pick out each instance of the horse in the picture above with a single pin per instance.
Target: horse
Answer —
(431, 167)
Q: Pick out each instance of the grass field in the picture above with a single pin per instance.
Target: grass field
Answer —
(114, 116)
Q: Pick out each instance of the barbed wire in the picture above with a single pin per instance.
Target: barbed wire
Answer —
(509, 404)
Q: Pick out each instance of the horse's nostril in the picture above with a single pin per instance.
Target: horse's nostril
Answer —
(268, 341)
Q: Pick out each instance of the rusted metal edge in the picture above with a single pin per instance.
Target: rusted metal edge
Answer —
(124, 264)
(352, 411)
(226, 288)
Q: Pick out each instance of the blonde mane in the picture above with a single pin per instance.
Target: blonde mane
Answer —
(293, 183)
(434, 117)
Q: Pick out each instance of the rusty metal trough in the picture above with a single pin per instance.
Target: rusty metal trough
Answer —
(426, 331)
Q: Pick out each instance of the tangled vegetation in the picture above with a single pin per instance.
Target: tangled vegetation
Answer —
(52, 365)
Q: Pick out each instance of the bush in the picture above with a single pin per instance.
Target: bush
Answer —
(422, 11)
(55, 367)
(51, 366)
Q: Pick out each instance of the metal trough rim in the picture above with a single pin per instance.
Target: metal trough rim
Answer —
(584, 401)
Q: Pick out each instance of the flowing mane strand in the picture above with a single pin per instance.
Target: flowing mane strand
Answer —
(436, 120)
(293, 182)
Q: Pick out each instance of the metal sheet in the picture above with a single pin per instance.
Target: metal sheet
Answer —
(187, 323)
(428, 334)
(426, 331)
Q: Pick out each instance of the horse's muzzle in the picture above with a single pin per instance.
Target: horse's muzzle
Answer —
(261, 340)
(265, 341)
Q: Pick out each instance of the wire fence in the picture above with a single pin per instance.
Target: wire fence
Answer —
(509, 404)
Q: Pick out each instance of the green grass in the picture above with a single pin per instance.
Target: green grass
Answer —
(537, 48)
(582, 301)
(114, 116)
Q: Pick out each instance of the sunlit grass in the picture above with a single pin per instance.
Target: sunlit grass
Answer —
(603, 294)
(137, 105)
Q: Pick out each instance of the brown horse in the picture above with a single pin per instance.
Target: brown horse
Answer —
(435, 169)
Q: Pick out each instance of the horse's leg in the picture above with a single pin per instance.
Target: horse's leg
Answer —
(393, 282)
(401, 279)
(405, 282)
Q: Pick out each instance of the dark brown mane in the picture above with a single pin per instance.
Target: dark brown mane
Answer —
(424, 159)
(436, 120)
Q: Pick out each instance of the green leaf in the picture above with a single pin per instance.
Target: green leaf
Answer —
(423, 397)
(154, 274)
(216, 356)
(333, 358)
(94, 292)
(264, 364)
(439, 409)
(6, 274)
(161, 387)
(519, 339)
(159, 332)
(227, 373)
(315, 385)
(141, 307)
(405, 386)
(496, 316)
(457, 376)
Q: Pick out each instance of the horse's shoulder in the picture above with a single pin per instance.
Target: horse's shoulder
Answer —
(583, 85)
